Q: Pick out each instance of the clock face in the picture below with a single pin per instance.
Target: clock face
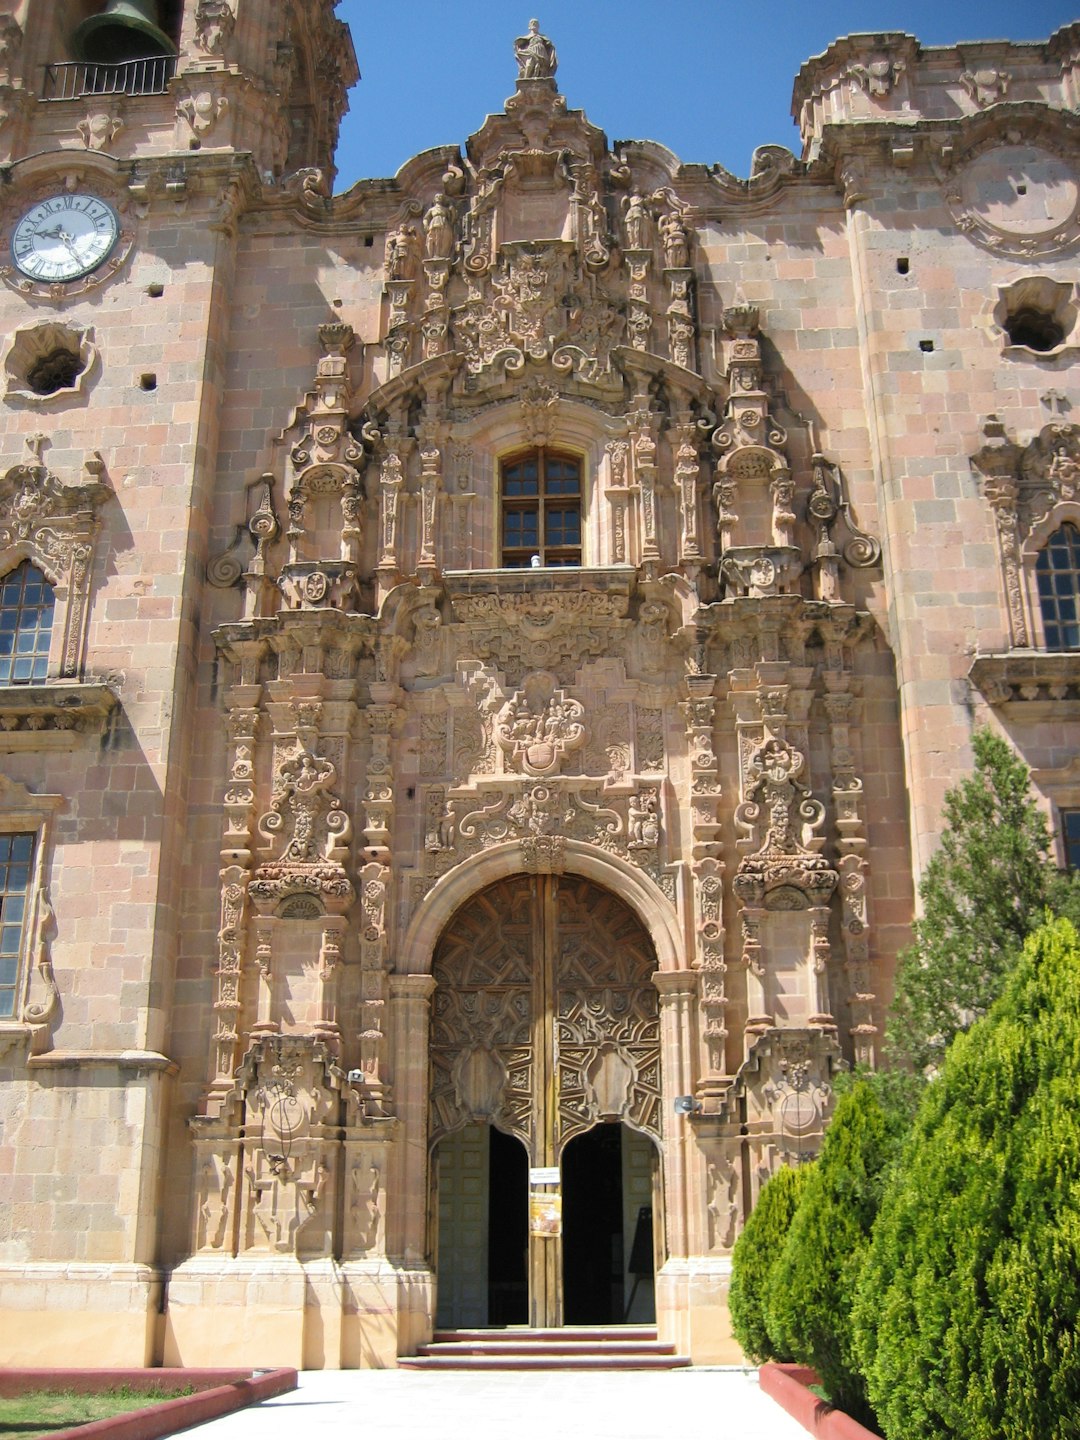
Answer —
(64, 237)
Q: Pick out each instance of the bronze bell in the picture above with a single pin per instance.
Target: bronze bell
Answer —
(125, 30)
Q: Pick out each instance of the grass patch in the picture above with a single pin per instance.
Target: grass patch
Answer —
(43, 1412)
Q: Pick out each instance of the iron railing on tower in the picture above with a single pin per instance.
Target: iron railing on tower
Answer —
(72, 80)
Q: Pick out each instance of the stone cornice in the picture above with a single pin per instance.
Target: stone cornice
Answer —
(53, 716)
(1032, 678)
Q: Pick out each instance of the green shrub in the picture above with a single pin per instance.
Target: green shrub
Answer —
(967, 1315)
(812, 1287)
(756, 1252)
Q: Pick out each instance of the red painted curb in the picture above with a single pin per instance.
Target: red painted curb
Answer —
(789, 1386)
(242, 1388)
(15, 1381)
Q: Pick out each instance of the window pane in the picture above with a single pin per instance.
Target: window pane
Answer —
(15, 852)
(26, 620)
(1058, 571)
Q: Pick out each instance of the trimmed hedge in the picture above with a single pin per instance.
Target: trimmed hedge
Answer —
(756, 1252)
(967, 1316)
(812, 1287)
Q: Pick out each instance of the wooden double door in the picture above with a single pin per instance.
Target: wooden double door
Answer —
(545, 1027)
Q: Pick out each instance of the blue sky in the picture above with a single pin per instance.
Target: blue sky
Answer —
(710, 79)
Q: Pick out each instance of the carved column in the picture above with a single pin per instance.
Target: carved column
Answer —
(392, 467)
(676, 988)
(432, 440)
(242, 725)
(680, 317)
(638, 311)
(402, 269)
(374, 894)
(687, 478)
(618, 496)
(842, 709)
(410, 1001)
(699, 711)
(383, 721)
(435, 321)
(643, 425)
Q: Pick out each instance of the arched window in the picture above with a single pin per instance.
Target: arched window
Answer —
(541, 510)
(1058, 574)
(26, 621)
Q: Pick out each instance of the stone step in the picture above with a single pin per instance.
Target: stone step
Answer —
(538, 1360)
(528, 1335)
(622, 1347)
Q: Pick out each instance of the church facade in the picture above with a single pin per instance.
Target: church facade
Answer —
(481, 656)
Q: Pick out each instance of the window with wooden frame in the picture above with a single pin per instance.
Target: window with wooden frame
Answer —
(540, 493)
(16, 871)
(1057, 574)
(26, 625)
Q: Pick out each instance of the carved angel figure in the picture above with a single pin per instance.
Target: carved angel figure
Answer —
(535, 55)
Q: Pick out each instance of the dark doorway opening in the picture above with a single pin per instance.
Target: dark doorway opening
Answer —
(593, 1253)
(508, 1231)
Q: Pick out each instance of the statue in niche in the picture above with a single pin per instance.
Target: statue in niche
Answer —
(535, 55)
(439, 230)
(402, 253)
(676, 240)
(643, 820)
(638, 223)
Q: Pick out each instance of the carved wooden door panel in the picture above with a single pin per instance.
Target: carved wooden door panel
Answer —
(544, 1023)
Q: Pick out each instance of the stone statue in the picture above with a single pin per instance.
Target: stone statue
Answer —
(535, 55)
(676, 241)
(439, 230)
(402, 253)
(638, 223)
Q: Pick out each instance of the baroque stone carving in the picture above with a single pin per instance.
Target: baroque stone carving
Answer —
(986, 86)
(56, 525)
(780, 817)
(535, 55)
(310, 830)
(878, 78)
(214, 25)
(201, 112)
(1024, 484)
(539, 726)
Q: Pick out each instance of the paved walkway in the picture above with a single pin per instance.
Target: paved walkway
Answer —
(399, 1405)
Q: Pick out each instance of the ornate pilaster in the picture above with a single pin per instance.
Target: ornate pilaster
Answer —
(403, 251)
(842, 708)
(782, 870)
(683, 436)
(699, 711)
(643, 425)
(383, 720)
(618, 497)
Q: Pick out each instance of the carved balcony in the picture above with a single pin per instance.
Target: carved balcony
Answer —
(1033, 678)
(53, 716)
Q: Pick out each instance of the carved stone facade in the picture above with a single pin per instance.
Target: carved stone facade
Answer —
(360, 831)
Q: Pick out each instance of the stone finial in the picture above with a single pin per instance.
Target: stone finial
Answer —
(535, 55)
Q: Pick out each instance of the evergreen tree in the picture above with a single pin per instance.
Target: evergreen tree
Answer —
(812, 1286)
(966, 1321)
(756, 1252)
(988, 885)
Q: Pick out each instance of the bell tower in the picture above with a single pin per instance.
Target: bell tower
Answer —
(139, 78)
(143, 143)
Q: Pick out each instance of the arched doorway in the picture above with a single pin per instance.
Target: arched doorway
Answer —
(544, 1033)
